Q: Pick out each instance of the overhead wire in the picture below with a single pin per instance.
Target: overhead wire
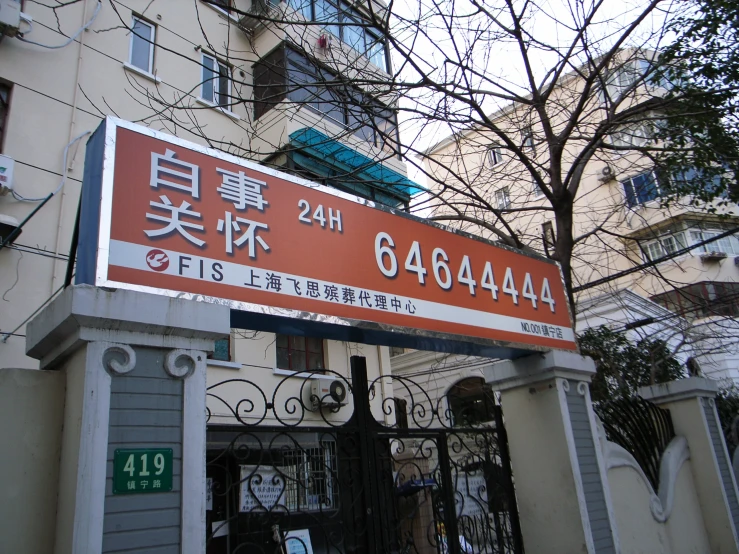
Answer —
(22, 198)
(71, 39)
(6, 334)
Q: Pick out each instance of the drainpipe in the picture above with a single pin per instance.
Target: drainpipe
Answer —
(62, 202)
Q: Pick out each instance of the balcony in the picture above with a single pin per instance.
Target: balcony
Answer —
(261, 14)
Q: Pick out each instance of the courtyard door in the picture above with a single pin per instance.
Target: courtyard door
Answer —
(394, 474)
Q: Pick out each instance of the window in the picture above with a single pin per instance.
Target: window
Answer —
(141, 54)
(624, 77)
(663, 246)
(693, 179)
(727, 244)
(216, 84)
(704, 299)
(641, 188)
(4, 103)
(300, 353)
(401, 412)
(471, 401)
(502, 198)
(548, 236)
(285, 73)
(527, 135)
(224, 5)
(347, 24)
(222, 350)
(303, 7)
(686, 235)
(632, 136)
(495, 155)
(311, 478)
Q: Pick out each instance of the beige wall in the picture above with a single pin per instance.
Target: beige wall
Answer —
(31, 409)
(541, 462)
(639, 532)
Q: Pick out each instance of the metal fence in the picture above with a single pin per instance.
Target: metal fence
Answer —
(391, 476)
(641, 427)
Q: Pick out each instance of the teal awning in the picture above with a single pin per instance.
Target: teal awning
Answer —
(332, 152)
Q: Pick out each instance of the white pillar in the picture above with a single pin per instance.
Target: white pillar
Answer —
(693, 410)
(134, 367)
(561, 487)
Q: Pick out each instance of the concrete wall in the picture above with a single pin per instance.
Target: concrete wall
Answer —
(31, 409)
(638, 530)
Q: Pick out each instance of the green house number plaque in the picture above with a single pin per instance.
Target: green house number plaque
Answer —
(142, 470)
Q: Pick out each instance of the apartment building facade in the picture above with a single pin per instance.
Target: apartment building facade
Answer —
(283, 84)
(681, 256)
(254, 86)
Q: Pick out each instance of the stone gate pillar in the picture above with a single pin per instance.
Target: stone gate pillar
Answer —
(563, 497)
(134, 367)
(693, 410)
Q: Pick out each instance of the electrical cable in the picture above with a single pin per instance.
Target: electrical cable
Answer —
(17, 277)
(21, 198)
(5, 334)
(72, 38)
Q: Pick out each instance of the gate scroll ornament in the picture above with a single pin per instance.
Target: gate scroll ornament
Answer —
(374, 474)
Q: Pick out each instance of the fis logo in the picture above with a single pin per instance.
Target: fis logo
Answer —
(157, 260)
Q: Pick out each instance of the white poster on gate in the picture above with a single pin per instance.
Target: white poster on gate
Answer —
(262, 489)
(473, 490)
(298, 542)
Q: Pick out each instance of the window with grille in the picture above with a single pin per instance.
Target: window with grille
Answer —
(349, 25)
(300, 353)
(286, 73)
(311, 478)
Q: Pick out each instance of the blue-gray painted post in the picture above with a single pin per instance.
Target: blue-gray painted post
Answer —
(134, 367)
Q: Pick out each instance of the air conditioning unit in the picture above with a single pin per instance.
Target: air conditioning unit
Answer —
(259, 15)
(10, 17)
(713, 256)
(8, 226)
(606, 174)
(327, 393)
(7, 165)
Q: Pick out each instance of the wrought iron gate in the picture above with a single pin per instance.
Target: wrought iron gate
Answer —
(394, 477)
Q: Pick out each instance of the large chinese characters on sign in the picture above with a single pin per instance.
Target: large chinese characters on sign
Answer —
(178, 218)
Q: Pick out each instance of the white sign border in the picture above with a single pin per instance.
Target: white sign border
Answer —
(104, 236)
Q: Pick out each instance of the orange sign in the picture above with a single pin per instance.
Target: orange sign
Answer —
(183, 218)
